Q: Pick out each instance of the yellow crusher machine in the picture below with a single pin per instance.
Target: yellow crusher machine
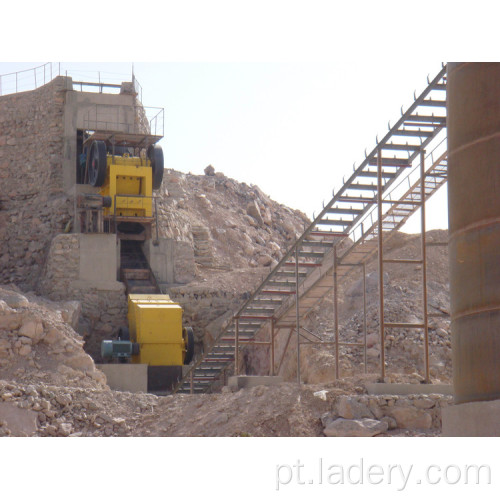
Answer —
(126, 175)
(155, 337)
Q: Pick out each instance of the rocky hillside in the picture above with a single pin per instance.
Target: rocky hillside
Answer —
(237, 232)
(49, 385)
(230, 225)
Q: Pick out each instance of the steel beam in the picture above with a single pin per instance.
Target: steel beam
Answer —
(236, 346)
(380, 267)
(424, 268)
(297, 318)
(336, 312)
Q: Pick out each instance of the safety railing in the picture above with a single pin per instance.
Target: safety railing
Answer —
(31, 79)
(126, 119)
(360, 230)
(28, 79)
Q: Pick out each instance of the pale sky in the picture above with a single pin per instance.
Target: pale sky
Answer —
(293, 129)
(283, 94)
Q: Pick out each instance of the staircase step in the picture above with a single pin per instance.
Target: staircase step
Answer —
(136, 274)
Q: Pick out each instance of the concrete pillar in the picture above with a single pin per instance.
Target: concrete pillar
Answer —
(473, 107)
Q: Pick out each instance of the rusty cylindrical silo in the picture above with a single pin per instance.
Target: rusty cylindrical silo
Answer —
(473, 107)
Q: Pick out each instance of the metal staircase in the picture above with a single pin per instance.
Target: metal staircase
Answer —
(380, 196)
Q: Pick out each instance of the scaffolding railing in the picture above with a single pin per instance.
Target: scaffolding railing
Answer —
(28, 79)
(136, 119)
(33, 78)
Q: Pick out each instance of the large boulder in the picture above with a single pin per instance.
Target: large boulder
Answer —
(348, 407)
(253, 211)
(409, 417)
(366, 427)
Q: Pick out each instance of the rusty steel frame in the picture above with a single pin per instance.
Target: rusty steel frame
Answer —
(383, 325)
(380, 266)
(336, 313)
(271, 364)
(236, 346)
(297, 315)
(291, 257)
(365, 328)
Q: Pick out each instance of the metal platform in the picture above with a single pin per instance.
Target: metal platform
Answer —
(123, 139)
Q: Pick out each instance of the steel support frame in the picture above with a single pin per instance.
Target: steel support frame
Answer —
(375, 159)
(381, 261)
(236, 346)
(336, 312)
(297, 315)
(271, 362)
(238, 342)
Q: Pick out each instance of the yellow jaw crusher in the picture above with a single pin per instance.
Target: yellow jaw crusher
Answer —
(155, 335)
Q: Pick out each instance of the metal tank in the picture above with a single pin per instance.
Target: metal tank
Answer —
(473, 109)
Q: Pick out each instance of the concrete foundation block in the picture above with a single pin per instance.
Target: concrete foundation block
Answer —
(477, 419)
(126, 377)
(405, 389)
(246, 381)
(21, 422)
(98, 258)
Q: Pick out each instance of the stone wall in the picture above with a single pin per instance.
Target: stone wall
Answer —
(369, 415)
(103, 310)
(33, 205)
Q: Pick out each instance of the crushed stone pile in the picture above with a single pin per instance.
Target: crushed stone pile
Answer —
(230, 225)
(49, 386)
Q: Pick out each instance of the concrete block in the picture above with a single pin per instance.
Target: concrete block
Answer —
(246, 381)
(98, 261)
(21, 422)
(477, 419)
(405, 389)
(161, 258)
(126, 377)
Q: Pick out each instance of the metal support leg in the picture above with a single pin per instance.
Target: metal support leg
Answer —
(380, 265)
(297, 310)
(336, 312)
(236, 346)
(271, 369)
(191, 382)
(424, 267)
(284, 351)
(364, 319)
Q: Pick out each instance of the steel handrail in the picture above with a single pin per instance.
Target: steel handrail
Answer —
(37, 83)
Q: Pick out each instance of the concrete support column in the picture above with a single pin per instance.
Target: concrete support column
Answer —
(473, 107)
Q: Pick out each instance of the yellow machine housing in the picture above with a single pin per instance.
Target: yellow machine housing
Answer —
(155, 323)
(129, 184)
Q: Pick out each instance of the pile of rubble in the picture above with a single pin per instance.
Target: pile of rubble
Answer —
(49, 386)
(230, 225)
